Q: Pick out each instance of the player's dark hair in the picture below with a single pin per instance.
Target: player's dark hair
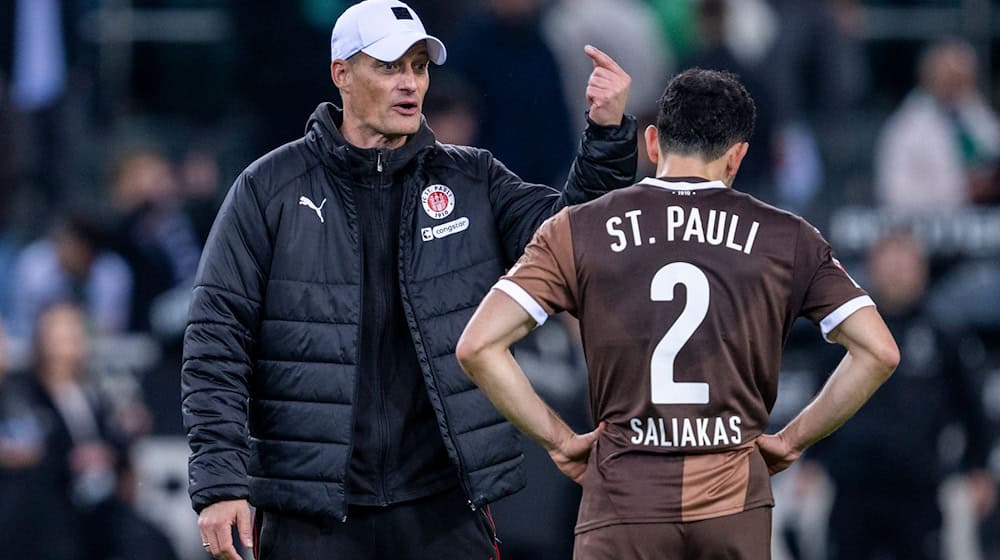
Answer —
(704, 113)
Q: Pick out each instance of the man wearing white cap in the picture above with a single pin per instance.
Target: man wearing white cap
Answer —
(319, 378)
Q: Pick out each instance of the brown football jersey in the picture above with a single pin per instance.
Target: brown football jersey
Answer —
(685, 290)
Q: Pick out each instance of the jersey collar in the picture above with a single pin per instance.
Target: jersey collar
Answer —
(683, 183)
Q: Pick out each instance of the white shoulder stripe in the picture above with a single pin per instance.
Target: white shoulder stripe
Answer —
(838, 315)
(524, 299)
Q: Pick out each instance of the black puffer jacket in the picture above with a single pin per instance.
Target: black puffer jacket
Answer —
(273, 339)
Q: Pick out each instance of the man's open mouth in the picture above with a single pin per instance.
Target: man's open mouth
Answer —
(406, 108)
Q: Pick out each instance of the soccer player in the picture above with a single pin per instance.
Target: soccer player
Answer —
(685, 290)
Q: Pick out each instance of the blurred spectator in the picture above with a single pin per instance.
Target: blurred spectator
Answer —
(283, 39)
(20, 444)
(626, 30)
(818, 65)
(38, 46)
(675, 19)
(126, 533)
(55, 498)
(523, 119)
(201, 189)
(451, 109)
(819, 75)
(939, 150)
(714, 53)
(751, 27)
(885, 462)
(71, 265)
(33, 51)
(153, 233)
(20, 448)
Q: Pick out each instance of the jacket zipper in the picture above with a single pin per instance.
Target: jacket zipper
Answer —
(383, 431)
(361, 321)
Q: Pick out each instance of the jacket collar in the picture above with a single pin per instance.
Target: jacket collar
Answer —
(323, 130)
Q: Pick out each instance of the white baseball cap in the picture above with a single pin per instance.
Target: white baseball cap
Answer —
(382, 29)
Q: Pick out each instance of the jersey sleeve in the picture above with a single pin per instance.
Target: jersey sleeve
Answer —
(831, 295)
(543, 281)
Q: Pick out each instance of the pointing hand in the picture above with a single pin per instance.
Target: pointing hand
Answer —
(607, 88)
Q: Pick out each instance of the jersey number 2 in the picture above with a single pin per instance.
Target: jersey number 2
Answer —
(665, 390)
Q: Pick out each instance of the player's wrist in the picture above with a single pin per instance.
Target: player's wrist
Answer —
(597, 118)
(795, 445)
(560, 441)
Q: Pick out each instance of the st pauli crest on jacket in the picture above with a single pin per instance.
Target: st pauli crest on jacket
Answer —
(438, 201)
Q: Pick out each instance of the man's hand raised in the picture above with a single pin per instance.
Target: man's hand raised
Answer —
(607, 88)
(216, 527)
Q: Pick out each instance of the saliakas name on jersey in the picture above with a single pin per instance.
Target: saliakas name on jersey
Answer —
(687, 432)
(714, 227)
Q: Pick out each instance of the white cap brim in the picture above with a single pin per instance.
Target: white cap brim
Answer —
(393, 47)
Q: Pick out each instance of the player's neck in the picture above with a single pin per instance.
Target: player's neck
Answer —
(671, 165)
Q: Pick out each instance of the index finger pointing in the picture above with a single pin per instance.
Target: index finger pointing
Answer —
(601, 59)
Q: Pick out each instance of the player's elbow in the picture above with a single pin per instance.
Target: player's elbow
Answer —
(470, 351)
(886, 357)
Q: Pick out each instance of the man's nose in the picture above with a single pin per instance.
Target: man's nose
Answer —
(408, 80)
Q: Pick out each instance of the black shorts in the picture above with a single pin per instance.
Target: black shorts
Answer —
(435, 527)
(742, 536)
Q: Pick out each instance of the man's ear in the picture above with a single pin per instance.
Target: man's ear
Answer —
(652, 137)
(340, 74)
(734, 157)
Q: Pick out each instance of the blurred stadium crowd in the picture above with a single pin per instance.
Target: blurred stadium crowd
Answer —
(123, 121)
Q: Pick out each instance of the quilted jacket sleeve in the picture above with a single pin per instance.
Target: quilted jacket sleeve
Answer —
(606, 160)
(218, 345)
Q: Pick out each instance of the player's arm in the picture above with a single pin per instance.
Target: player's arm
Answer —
(484, 353)
(872, 356)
